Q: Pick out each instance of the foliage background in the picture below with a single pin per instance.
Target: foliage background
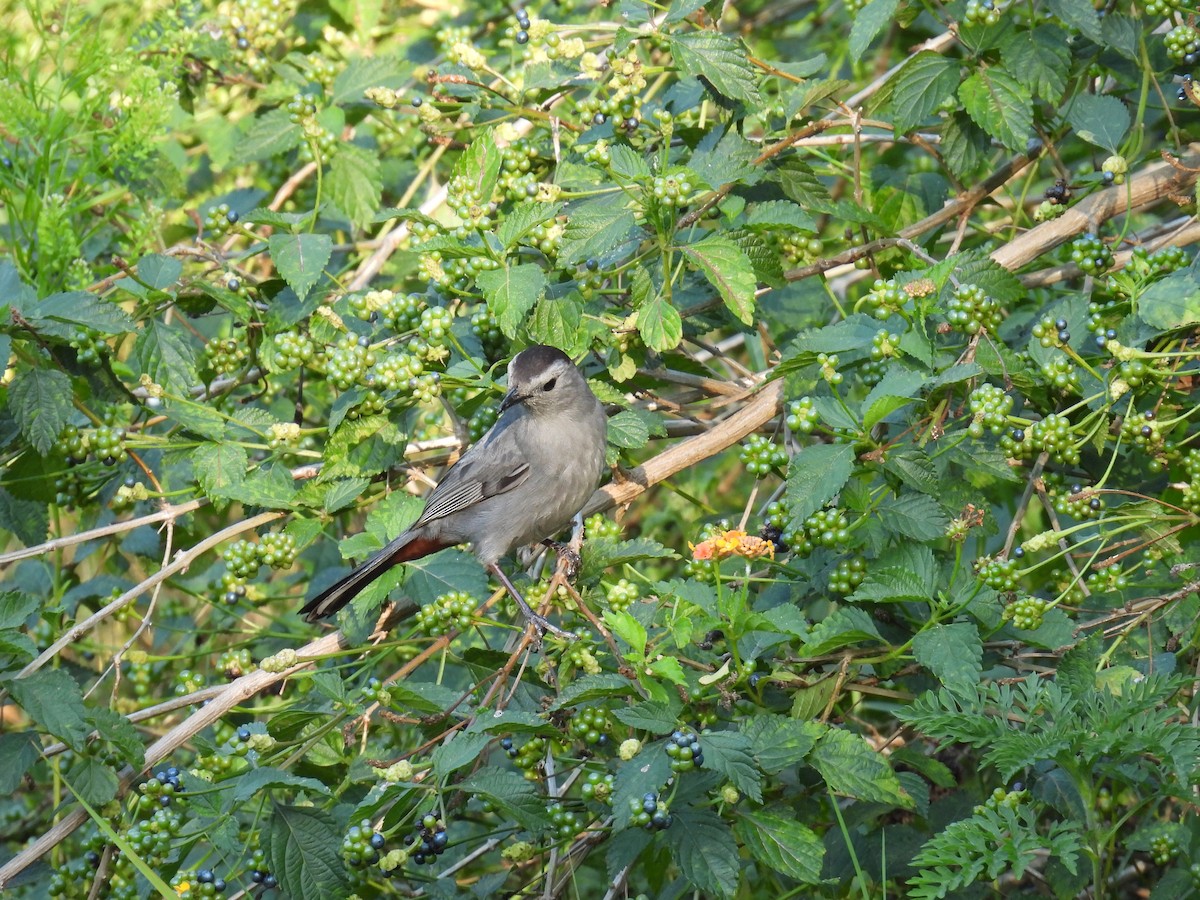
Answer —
(904, 289)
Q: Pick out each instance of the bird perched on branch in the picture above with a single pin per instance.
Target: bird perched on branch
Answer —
(523, 482)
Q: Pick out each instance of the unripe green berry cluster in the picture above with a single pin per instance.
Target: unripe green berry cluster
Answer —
(362, 844)
(885, 299)
(990, 407)
(1054, 434)
(1026, 613)
(1060, 373)
(226, 356)
(984, 12)
(1052, 332)
(683, 748)
(590, 725)
(1091, 254)
(1183, 44)
(970, 310)
(598, 787)
(761, 456)
(848, 575)
(621, 594)
(650, 812)
(449, 612)
(1078, 503)
(564, 822)
(802, 415)
(997, 573)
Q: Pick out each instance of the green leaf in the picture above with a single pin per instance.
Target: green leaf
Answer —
(778, 742)
(728, 754)
(595, 228)
(897, 389)
(1000, 105)
(41, 403)
(1040, 58)
(1099, 120)
(850, 767)
(269, 135)
(479, 166)
(728, 270)
(556, 321)
(868, 22)
(782, 843)
(512, 795)
(92, 781)
(916, 516)
(511, 292)
(29, 520)
(725, 157)
(718, 59)
(461, 750)
(19, 750)
(650, 715)
(779, 213)
(355, 183)
(522, 219)
(964, 144)
(628, 629)
(658, 322)
(302, 845)
(703, 848)
(364, 72)
(922, 84)
(16, 607)
(300, 258)
(162, 353)
(1078, 14)
(52, 699)
(220, 469)
(158, 271)
(86, 309)
(120, 732)
(592, 687)
(815, 476)
(1173, 302)
(645, 773)
(628, 163)
(844, 627)
(626, 429)
(954, 653)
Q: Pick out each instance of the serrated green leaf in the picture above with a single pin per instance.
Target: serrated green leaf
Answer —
(868, 22)
(916, 516)
(728, 754)
(815, 476)
(120, 732)
(844, 627)
(1099, 119)
(355, 183)
(461, 750)
(1040, 58)
(303, 852)
(363, 72)
(650, 715)
(1173, 302)
(269, 135)
(1000, 105)
(19, 750)
(92, 781)
(897, 389)
(703, 848)
(41, 402)
(592, 687)
(728, 270)
(778, 742)
(954, 653)
(782, 843)
(725, 157)
(595, 228)
(511, 795)
(626, 429)
(557, 321)
(220, 469)
(775, 213)
(922, 84)
(523, 218)
(16, 607)
(479, 166)
(645, 773)
(851, 767)
(300, 259)
(158, 271)
(965, 145)
(1078, 14)
(511, 292)
(85, 309)
(628, 629)
(658, 322)
(165, 355)
(52, 699)
(628, 163)
(718, 59)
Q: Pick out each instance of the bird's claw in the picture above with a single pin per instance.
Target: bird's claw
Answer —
(542, 625)
(569, 561)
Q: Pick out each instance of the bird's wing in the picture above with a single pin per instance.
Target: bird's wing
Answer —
(475, 478)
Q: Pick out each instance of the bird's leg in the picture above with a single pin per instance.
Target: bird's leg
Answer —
(568, 559)
(539, 623)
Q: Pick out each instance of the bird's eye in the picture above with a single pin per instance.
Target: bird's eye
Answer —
(549, 385)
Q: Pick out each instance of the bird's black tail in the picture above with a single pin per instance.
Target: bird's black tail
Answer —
(409, 546)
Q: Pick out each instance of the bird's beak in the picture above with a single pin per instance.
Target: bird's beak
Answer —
(512, 398)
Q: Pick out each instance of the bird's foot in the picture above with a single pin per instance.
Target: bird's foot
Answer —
(541, 625)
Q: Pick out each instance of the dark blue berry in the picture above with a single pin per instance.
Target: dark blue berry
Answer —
(440, 839)
(257, 877)
(1018, 435)
(1147, 431)
(415, 101)
(506, 743)
(1064, 336)
(243, 44)
(204, 876)
(378, 840)
(269, 881)
(1111, 333)
(1060, 324)
(233, 284)
(231, 217)
(243, 733)
(219, 885)
(599, 119)
(1148, 415)
(522, 36)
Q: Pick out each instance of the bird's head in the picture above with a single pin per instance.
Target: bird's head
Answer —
(545, 381)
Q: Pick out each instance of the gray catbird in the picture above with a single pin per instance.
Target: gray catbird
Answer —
(522, 482)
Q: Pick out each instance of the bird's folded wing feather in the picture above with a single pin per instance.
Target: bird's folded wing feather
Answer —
(473, 480)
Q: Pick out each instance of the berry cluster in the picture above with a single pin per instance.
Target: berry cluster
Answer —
(226, 356)
(564, 821)
(319, 142)
(361, 845)
(1061, 374)
(1054, 435)
(292, 350)
(761, 456)
(1052, 332)
(683, 747)
(672, 189)
(1183, 44)
(257, 25)
(983, 12)
(475, 210)
(1091, 254)
(1108, 580)
(348, 361)
(829, 363)
(194, 884)
(1142, 430)
(590, 725)
(1078, 503)
(449, 612)
(798, 248)
(89, 346)
(990, 407)
(188, 682)
(581, 655)
(219, 219)
(650, 812)
(995, 572)
(848, 575)
(598, 787)
(621, 594)
(151, 838)
(885, 298)
(802, 415)
(970, 310)
(235, 663)
(430, 841)
(1026, 613)
(1163, 849)
(260, 874)
(161, 789)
